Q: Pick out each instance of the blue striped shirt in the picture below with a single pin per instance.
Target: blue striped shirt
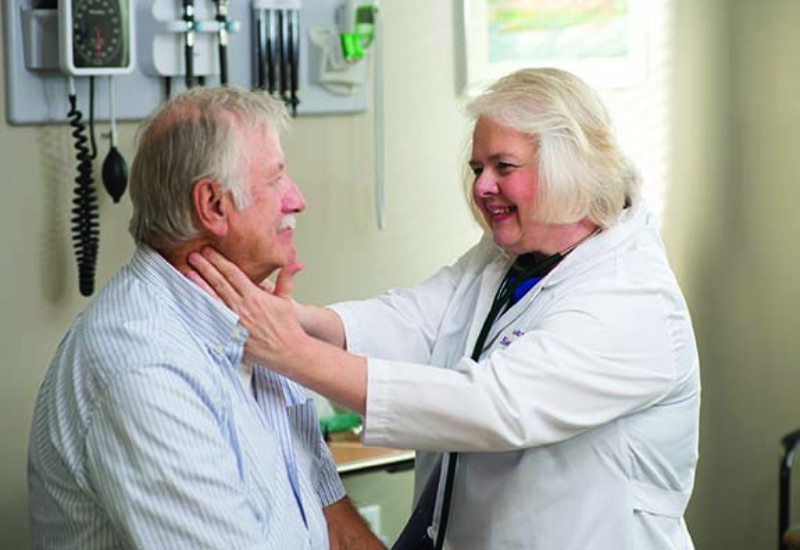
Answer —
(143, 435)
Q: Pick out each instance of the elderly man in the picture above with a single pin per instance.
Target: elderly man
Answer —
(151, 430)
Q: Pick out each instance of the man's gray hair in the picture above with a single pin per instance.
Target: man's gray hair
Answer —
(194, 135)
(582, 172)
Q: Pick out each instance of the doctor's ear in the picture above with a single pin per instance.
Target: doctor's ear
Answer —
(211, 206)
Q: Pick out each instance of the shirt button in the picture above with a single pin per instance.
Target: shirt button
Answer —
(218, 349)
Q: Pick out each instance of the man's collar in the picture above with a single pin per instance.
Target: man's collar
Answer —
(210, 319)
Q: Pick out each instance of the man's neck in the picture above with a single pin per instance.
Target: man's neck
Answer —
(177, 255)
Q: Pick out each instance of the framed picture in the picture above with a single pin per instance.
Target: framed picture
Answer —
(602, 41)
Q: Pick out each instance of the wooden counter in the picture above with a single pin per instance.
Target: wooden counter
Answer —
(351, 456)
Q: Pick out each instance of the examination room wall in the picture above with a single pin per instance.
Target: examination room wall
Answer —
(732, 228)
(428, 222)
(729, 222)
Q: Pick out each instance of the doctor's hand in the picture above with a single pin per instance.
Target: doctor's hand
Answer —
(276, 338)
(268, 316)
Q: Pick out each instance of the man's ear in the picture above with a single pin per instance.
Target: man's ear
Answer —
(211, 206)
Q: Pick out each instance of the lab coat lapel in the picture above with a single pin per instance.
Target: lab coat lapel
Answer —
(512, 315)
(491, 279)
(583, 257)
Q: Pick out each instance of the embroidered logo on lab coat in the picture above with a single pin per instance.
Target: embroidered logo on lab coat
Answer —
(505, 341)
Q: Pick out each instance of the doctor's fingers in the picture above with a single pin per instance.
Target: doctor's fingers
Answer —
(216, 279)
(229, 270)
(285, 280)
(197, 279)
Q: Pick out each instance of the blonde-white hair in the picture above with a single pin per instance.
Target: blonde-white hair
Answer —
(582, 172)
(194, 135)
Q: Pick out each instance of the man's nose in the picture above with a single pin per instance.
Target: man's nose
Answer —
(293, 201)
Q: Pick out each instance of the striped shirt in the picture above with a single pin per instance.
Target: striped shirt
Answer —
(144, 436)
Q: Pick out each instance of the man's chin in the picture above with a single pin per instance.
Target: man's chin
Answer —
(290, 256)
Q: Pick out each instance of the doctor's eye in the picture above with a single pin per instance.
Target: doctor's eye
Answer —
(504, 168)
(476, 169)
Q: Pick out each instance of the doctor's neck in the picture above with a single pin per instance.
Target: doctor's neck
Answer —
(563, 238)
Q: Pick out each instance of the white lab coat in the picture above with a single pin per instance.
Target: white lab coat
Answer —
(578, 427)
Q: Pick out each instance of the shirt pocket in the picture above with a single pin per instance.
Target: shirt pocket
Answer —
(304, 427)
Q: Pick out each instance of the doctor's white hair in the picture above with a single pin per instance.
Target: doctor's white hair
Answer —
(196, 134)
(582, 172)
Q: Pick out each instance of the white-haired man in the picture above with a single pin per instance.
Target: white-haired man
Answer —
(151, 429)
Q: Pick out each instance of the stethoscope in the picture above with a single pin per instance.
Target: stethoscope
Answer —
(524, 269)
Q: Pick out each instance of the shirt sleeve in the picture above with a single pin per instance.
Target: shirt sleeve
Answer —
(329, 486)
(597, 357)
(304, 420)
(160, 457)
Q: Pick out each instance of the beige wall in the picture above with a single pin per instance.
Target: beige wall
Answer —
(729, 223)
(732, 229)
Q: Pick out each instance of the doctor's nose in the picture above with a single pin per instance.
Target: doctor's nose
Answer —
(485, 184)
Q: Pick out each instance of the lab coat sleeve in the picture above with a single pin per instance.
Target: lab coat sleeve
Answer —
(601, 354)
(403, 324)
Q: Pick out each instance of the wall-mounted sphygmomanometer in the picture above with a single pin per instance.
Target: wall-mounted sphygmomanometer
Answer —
(95, 39)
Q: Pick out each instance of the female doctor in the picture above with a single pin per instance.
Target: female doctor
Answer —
(550, 376)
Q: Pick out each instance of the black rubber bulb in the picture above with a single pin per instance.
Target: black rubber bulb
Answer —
(115, 174)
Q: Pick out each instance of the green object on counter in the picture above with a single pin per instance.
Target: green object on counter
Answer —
(339, 422)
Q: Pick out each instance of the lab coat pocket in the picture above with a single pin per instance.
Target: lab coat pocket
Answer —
(659, 501)
(659, 514)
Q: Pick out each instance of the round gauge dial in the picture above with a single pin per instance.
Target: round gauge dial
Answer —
(98, 33)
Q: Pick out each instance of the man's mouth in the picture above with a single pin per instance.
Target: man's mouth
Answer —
(287, 222)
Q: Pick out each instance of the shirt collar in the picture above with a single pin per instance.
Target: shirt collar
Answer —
(213, 322)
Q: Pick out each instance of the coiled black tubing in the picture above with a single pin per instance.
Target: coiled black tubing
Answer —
(85, 227)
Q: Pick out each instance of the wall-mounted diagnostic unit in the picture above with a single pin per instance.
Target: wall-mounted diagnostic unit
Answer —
(313, 54)
(175, 43)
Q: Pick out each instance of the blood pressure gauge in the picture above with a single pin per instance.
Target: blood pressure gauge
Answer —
(96, 37)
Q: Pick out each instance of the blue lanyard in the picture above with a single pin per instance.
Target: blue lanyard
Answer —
(523, 275)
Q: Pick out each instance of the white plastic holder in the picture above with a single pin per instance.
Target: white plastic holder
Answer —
(329, 67)
(40, 39)
(277, 4)
(163, 30)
